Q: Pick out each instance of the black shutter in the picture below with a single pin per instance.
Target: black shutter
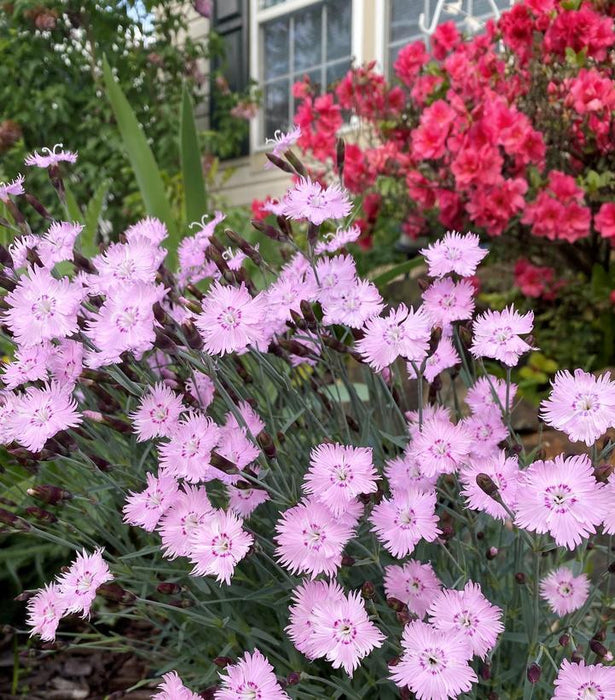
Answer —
(230, 23)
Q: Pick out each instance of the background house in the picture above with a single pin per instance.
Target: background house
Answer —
(277, 42)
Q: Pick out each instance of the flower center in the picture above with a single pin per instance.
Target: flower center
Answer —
(405, 519)
(345, 632)
(229, 318)
(502, 335)
(221, 545)
(440, 448)
(159, 413)
(84, 582)
(43, 307)
(127, 319)
(586, 404)
(249, 691)
(314, 537)
(432, 661)
(40, 416)
(590, 691)
(559, 498)
(565, 589)
(393, 335)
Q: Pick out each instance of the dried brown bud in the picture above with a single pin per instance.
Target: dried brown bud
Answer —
(293, 678)
(368, 590)
(487, 484)
(520, 577)
(168, 588)
(347, 560)
(49, 494)
(598, 648)
(564, 640)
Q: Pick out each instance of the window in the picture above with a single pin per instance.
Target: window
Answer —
(294, 38)
(404, 15)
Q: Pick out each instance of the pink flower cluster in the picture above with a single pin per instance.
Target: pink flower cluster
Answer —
(73, 591)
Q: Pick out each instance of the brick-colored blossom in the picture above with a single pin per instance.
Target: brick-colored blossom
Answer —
(42, 307)
(403, 332)
(342, 631)
(414, 583)
(496, 335)
(251, 677)
(564, 591)
(563, 498)
(45, 610)
(309, 200)
(400, 522)
(145, 508)
(581, 405)
(158, 413)
(79, 584)
(217, 544)
(581, 680)
(231, 319)
(434, 665)
(468, 612)
(454, 253)
(339, 473)
(311, 539)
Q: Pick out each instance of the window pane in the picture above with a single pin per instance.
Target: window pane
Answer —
(405, 18)
(276, 98)
(338, 29)
(275, 48)
(308, 38)
(337, 71)
(263, 4)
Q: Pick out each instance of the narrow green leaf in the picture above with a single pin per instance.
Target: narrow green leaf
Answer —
(142, 160)
(382, 280)
(73, 212)
(89, 246)
(195, 194)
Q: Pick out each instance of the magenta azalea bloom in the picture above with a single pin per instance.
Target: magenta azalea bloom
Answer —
(172, 688)
(563, 498)
(446, 301)
(231, 319)
(188, 453)
(414, 583)
(54, 156)
(38, 414)
(434, 665)
(45, 610)
(58, 243)
(309, 200)
(15, 188)
(496, 335)
(343, 633)
(352, 305)
(338, 474)
(217, 544)
(145, 508)
(469, 613)
(444, 357)
(403, 520)
(311, 539)
(42, 307)
(338, 240)
(79, 584)
(306, 598)
(583, 406)
(441, 447)
(187, 509)
(158, 413)
(564, 592)
(403, 332)
(487, 393)
(454, 253)
(578, 680)
(251, 677)
(505, 473)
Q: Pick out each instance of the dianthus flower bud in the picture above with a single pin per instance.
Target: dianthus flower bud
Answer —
(164, 342)
(37, 206)
(5, 257)
(9, 518)
(487, 484)
(492, 553)
(520, 577)
(83, 263)
(340, 156)
(347, 560)
(49, 494)
(577, 655)
(223, 661)
(598, 648)
(533, 673)
(564, 640)
(308, 314)
(612, 567)
(193, 337)
(485, 671)
(296, 163)
(368, 590)
(269, 231)
(43, 516)
(24, 596)
(602, 472)
(600, 635)
(168, 588)
(115, 593)
(222, 463)
(266, 444)
(395, 604)
(293, 678)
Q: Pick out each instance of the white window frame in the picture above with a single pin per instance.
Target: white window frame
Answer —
(259, 17)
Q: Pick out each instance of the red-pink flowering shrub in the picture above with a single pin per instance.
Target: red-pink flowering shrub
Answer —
(301, 492)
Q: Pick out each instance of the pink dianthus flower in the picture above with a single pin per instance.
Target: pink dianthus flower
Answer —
(454, 253)
(45, 610)
(309, 200)
(145, 508)
(251, 677)
(15, 188)
(172, 688)
(58, 243)
(79, 584)
(158, 413)
(414, 583)
(496, 335)
(441, 447)
(505, 473)
(54, 156)
(446, 301)
(578, 680)
(187, 455)
(564, 592)
(187, 509)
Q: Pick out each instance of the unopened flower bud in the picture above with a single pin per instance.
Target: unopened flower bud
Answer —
(193, 337)
(347, 560)
(113, 591)
(487, 484)
(612, 567)
(43, 516)
(293, 678)
(598, 648)
(164, 342)
(520, 577)
(266, 444)
(280, 163)
(564, 640)
(223, 661)
(403, 617)
(308, 314)
(168, 588)
(577, 655)
(492, 553)
(49, 494)
(269, 231)
(533, 673)
(485, 671)
(395, 604)
(368, 590)
(600, 635)
(393, 662)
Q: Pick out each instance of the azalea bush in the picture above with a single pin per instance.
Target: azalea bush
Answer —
(508, 133)
(302, 492)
